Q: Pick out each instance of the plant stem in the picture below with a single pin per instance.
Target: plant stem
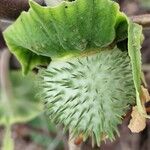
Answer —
(4, 73)
(143, 20)
(6, 93)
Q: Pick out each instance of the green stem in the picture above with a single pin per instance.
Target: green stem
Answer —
(4, 74)
(6, 92)
(8, 143)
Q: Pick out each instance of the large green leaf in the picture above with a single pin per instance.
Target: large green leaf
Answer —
(67, 29)
(22, 106)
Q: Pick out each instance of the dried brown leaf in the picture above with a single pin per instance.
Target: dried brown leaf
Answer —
(138, 121)
(145, 97)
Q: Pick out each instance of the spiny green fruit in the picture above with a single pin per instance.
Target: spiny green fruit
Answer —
(89, 94)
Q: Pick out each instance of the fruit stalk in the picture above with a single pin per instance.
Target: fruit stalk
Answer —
(71, 143)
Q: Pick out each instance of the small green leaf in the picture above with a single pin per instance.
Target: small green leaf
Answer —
(22, 106)
(134, 46)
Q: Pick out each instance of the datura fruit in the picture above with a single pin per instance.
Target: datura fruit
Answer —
(95, 71)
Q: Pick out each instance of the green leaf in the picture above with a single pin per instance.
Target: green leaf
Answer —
(27, 59)
(134, 46)
(22, 106)
(121, 27)
(66, 29)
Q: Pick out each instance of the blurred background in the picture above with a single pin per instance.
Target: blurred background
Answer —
(29, 126)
